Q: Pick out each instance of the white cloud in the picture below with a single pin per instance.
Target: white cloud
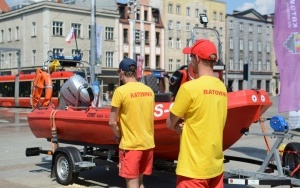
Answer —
(261, 6)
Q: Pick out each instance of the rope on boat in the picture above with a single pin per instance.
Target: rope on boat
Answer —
(54, 139)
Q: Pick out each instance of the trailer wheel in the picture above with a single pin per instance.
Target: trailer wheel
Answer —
(64, 170)
(291, 158)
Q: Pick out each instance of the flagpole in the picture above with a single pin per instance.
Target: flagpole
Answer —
(77, 52)
(93, 44)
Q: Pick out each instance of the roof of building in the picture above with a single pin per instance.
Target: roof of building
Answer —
(3, 6)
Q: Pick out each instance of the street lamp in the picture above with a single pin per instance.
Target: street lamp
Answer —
(203, 19)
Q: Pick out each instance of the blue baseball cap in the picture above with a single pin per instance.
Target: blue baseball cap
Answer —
(126, 63)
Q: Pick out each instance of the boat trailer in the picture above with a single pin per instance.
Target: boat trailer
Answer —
(274, 170)
(68, 161)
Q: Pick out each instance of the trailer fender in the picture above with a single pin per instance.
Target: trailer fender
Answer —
(73, 154)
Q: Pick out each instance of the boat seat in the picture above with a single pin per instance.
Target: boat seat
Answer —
(163, 97)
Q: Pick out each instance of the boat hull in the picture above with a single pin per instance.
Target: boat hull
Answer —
(90, 127)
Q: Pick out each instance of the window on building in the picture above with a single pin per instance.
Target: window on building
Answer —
(122, 12)
(137, 36)
(268, 30)
(170, 8)
(215, 15)
(241, 42)
(177, 63)
(231, 24)
(17, 37)
(250, 45)
(241, 27)
(125, 35)
(76, 52)
(58, 51)
(264, 66)
(9, 60)
(188, 26)
(250, 28)
(157, 39)
(221, 31)
(221, 16)
(178, 43)
(9, 39)
(170, 24)
(155, 14)
(1, 36)
(178, 26)
(237, 65)
(259, 65)
(230, 64)
(33, 57)
(109, 59)
(170, 64)
(57, 29)
(2, 60)
(241, 65)
(188, 11)
(17, 54)
(77, 29)
(259, 29)
(89, 31)
(231, 43)
(268, 47)
(147, 41)
(69, 2)
(259, 46)
(146, 15)
(267, 85)
(147, 64)
(178, 11)
(171, 45)
(197, 13)
(268, 65)
(109, 33)
(258, 84)
(33, 29)
(157, 59)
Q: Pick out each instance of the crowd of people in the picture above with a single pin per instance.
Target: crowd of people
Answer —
(198, 116)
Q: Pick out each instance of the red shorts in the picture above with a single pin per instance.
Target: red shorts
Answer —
(135, 162)
(185, 182)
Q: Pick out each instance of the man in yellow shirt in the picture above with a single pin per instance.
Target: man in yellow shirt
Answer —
(133, 104)
(202, 103)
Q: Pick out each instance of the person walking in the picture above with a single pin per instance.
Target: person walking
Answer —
(133, 105)
(199, 113)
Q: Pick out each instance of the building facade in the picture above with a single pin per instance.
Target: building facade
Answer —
(180, 18)
(38, 28)
(142, 37)
(249, 43)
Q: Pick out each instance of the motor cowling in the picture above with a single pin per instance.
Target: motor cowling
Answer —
(76, 92)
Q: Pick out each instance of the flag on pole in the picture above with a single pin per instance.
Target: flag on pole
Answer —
(287, 50)
(70, 36)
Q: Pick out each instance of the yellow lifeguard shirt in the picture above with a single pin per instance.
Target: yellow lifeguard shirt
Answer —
(203, 105)
(136, 103)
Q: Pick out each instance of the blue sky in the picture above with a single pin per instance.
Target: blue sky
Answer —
(262, 6)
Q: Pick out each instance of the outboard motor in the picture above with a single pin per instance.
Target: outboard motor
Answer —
(76, 92)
